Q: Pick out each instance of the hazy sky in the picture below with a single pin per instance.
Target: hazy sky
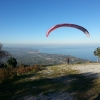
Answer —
(27, 21)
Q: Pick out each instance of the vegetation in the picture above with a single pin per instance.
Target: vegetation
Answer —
(11, 62)
(3, 53)
(97, 53)
(7, 74)
(9, 70)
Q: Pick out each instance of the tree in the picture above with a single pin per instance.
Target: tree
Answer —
(11, 62)
(3, 53)
(97, 53)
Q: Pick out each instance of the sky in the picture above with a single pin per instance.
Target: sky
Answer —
(27, 21)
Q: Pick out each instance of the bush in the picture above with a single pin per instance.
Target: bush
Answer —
(37, 67)
(2, 65)
(79, 63)
(6, 74)
(11, 62)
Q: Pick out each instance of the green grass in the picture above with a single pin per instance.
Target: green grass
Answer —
(84, 88)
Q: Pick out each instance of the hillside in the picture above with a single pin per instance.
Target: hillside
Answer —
(58, 82)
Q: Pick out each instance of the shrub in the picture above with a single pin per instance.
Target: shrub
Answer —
(11, 62)
(6, 74)
(36, 67)
(79, 63)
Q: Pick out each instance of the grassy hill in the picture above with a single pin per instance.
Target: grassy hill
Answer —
(49, 80)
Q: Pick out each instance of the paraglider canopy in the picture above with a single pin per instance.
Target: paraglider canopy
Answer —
(68, 25)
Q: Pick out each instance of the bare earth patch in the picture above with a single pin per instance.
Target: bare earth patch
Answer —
(88, 69)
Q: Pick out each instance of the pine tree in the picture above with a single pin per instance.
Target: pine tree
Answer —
(97, 53)
(11, 62)
(3, 53)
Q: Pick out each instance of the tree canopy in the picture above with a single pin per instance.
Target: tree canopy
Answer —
(97, 53)
(3, 53)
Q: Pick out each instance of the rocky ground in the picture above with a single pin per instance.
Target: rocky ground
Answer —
(90, 69)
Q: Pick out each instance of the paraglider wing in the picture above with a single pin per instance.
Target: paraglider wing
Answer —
(68, 25)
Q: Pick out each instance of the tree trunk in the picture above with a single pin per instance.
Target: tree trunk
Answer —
(98, 59)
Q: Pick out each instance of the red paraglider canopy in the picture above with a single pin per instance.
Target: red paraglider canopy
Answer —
(68, 25)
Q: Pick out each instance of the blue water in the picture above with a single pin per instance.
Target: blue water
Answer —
(79, 51)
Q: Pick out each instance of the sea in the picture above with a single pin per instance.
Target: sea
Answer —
(84, 51)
